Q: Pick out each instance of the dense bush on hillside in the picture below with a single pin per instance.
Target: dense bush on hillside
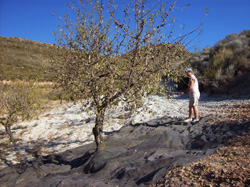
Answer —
(224, 68)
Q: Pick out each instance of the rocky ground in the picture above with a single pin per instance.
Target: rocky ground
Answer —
(65, 123)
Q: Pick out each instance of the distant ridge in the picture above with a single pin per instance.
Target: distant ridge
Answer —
(223, 68)
(22, 59)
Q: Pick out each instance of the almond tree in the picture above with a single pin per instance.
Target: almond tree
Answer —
(17, 102)
(117, 53)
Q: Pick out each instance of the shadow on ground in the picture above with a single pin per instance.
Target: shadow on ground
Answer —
(136, 155)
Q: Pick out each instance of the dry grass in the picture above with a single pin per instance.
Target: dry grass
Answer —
(22, 59)
(47, 95)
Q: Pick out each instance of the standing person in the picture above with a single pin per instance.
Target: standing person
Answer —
(194, 95)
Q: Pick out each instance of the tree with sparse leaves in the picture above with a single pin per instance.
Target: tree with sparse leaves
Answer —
(116, 53)
(18, 101)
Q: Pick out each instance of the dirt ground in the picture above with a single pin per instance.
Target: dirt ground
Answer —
(229, 166)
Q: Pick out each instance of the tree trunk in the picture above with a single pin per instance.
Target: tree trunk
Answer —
(98, 129)
(8, 131)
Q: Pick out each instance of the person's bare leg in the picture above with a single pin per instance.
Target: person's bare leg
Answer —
(191, 112)
(196, 112)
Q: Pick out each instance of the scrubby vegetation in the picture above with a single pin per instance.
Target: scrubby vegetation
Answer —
(24, 100)
(22, 59)
(224, 68)
(18, 102)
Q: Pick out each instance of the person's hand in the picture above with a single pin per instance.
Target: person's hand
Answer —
(182, 93)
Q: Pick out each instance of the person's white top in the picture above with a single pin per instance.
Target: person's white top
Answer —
(196, 85)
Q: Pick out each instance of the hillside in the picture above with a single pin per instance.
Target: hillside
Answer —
(224, 68)
(221, 69)
(158, 144)
(22, 59)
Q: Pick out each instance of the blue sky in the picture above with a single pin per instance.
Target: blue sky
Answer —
(33, 20)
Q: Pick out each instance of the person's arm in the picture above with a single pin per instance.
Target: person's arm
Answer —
(191, 85)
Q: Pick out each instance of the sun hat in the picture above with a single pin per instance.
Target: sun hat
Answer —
(188, 69)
